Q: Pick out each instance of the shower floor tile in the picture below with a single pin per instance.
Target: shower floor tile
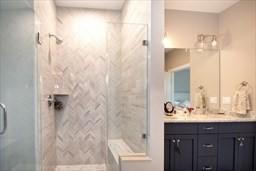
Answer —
(81, 168)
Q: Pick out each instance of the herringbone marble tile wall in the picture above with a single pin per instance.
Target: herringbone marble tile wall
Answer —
(46, 14)
(82, 59)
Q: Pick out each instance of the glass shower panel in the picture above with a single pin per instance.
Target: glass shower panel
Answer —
(127, 86)
(17, 86)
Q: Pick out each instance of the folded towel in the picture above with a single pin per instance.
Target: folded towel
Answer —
(241, 102)
(200, 100)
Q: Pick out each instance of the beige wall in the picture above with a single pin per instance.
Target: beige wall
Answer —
(176, 58)
(184, 26)
(237, 34)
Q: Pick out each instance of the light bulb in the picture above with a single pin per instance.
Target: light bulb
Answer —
(214, 41)
(200, 42)
(166, 41)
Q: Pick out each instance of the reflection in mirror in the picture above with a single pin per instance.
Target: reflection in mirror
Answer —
(192, 79)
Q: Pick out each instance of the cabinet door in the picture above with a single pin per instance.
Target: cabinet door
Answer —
(183, 153)
(246, 150)
(167, 146)
(227, 152)
(254, 152)
(236, 152)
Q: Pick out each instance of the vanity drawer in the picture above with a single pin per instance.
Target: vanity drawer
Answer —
(208, 128)
(237, 127)
(180, 128)
(207, 145)
(207, 164)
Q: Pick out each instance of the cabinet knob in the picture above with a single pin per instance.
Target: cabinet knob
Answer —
(178, 142)
(241, 141)
(173, 141)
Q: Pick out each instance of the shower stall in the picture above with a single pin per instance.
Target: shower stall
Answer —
(95, 66)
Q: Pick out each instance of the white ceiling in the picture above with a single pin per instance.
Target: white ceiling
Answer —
(95, 4)
(211, 6)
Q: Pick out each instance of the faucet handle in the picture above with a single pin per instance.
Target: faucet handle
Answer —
(190, 109)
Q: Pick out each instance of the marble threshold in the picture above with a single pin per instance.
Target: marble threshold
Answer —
(202, 118)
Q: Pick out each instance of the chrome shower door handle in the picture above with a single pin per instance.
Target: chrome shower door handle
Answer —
(3, 108)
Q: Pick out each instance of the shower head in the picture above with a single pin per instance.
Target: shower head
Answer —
(58, 40)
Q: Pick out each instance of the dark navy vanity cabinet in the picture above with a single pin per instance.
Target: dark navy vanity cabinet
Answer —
(210, 146)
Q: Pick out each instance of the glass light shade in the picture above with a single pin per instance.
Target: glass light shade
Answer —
(214, 42)
(200, 42)
(166, 43)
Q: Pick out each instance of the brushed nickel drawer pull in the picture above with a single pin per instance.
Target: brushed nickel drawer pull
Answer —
(207, 168)
(208, 128)
(208, 145)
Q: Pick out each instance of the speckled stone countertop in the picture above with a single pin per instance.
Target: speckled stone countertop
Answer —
(206, 118)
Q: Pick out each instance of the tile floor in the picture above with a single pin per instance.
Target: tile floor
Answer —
(101, 167)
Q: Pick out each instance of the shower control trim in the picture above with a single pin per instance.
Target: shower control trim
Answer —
(3, 108)
(38, 38)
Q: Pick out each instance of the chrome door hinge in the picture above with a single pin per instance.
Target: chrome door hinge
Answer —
(144, 136)
(145, 42)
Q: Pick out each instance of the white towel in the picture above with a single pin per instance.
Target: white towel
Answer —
(241, 102)
(200, 100)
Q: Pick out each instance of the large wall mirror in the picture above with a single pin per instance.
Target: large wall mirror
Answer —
(192, 79)
(200, 77)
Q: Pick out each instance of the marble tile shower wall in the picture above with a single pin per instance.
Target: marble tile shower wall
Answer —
(134, 86)
(45, 15)
(82, 60)
(134, 74)
(114, 81)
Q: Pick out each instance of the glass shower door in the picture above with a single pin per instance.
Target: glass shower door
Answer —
(17, 86)
(127, 87)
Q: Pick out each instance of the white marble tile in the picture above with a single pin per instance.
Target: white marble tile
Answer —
(118, 148)
(81, 168)
(46, 14)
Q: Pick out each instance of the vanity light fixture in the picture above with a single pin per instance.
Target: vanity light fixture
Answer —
(206, 42)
